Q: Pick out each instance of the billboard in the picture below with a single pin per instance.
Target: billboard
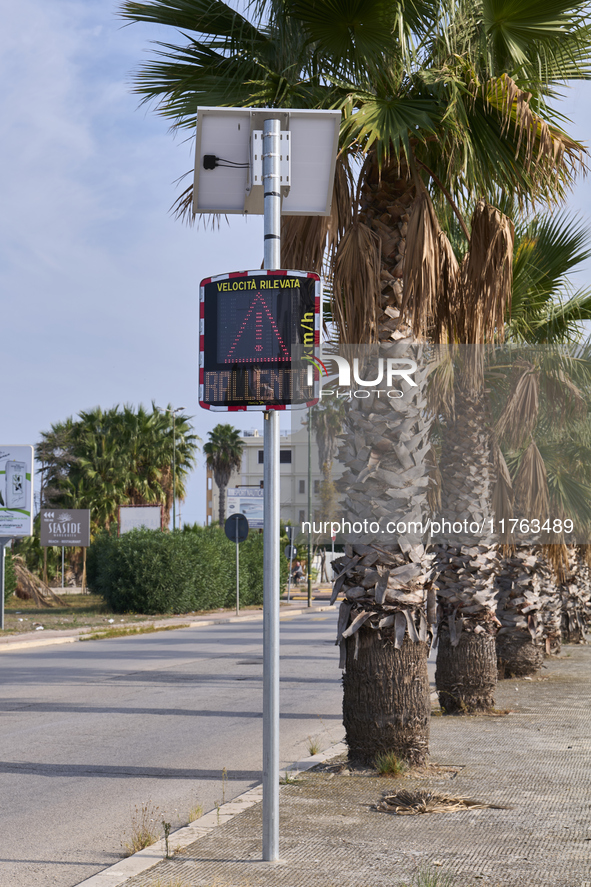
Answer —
(249, 502)
(66, 526)
(259, 334)
(133, 517)
(16, 491)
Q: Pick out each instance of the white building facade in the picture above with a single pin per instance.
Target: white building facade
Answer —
(293, 469)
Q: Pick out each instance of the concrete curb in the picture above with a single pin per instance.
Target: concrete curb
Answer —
(145, 859)
(6, 645)
(46, 642)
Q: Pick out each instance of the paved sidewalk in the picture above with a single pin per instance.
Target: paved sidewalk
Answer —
(534, 760)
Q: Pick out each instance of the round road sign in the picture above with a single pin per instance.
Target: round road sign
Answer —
(236, 528)
(290, 551)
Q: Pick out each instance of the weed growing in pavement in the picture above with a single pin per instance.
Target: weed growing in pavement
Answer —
(195, 812)
(427, 876)
(166, 826)
(313, 745)
(289, 778)
(224, 784)
(128, 632)
(217, 807)
(388, 764)
(143, 829)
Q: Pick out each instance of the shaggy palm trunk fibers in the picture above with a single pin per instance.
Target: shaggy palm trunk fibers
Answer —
(466, 675)
(517, 656)
(386, 699)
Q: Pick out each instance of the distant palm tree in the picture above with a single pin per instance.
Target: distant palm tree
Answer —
(108, 458)
(224, 454)
(327, 424)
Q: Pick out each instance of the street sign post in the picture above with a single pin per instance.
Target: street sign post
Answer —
(16, 503)
(236, 529)
(290, 552)
(247, 161)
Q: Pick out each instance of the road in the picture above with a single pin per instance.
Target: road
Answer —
(89, 731)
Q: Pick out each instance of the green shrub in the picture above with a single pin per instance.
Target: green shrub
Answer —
(9, 576)
(194, 569)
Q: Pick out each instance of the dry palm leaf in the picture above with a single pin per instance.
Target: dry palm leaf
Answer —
(356, 284)
(441, 388)
(519, 417)
(28, 586)
(502, 498)
(482, 297)
(545, 151)
(531, 484)
(409, 803)
(430, 269)
(557, 557)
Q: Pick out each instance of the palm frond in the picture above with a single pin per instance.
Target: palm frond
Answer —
(483, 291)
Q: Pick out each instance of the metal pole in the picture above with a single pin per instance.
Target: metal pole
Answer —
(289, 574)
(4, 540)
(173, 470)
(272, 255)
(237, 572)
(62, 566)
(2, 581)
(309, 505)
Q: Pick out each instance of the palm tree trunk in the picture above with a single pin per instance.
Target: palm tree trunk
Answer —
(466, 673)
(575, 593)
(386, 200)
(521, 638)
(222, 507)
(385, 578)
(386, 704)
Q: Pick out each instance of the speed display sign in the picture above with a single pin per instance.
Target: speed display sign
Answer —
(259, 333)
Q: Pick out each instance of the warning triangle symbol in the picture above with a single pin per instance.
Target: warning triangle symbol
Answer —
(258, 338)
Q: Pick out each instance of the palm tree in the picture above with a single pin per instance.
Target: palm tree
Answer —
(224, 455)
(546, 309)
(108, 458)
(442, 103)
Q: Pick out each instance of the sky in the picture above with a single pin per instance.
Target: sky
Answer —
(99, 284)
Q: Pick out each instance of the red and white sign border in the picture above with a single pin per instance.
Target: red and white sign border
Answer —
(317, 324)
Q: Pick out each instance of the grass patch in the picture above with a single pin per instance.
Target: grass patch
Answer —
(128, 632)
(290, 779)
(429, 876)
(144, 829)
(388, 764)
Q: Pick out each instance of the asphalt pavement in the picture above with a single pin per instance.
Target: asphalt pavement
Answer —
(92, 731)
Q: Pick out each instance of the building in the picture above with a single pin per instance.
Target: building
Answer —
(293, 469)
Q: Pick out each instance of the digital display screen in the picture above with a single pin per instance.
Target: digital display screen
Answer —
(250, 325)
(254, 326)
